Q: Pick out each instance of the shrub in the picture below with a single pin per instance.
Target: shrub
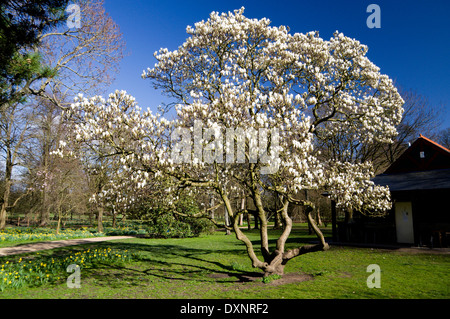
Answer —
(270, 278)
(162, 222)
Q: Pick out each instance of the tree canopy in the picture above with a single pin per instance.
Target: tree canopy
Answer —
(242, 86)
(21, 23)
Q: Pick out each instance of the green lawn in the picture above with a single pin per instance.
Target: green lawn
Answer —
(216, 266)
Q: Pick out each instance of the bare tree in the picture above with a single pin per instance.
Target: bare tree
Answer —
(45, 131)
(13, 134)
(81, 60)
(419, 117)
(85, 59)
(444, 137)
(68, 189)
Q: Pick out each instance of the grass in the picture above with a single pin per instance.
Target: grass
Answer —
(22, 235)
(216, 266)
(32, 271)
(13, 236)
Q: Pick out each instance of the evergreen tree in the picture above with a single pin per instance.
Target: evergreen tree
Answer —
(21, 23)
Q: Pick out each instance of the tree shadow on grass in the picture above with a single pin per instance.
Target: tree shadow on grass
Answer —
(170, 262)
(177, 263)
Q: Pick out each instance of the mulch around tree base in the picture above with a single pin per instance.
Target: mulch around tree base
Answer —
(256, 278)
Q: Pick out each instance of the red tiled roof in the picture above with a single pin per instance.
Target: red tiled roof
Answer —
(437, 144)
(413, 158)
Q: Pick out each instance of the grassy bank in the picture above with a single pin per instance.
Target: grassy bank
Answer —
(216, 266)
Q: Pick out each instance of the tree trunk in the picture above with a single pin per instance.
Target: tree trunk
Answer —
(276, 266)
(279, 258)
(4, 205)
(114, 219)
(318, 217)
(348, 216)
(274, 263)
(227, 221)
(211, 204)
(241, 217)
(58, 225)
(46, 144)
(263, 221)
(8, 182)
(278, 224)
(90, 215)
(100, 219)
(44, 216)
(319, 220)
(255, 217)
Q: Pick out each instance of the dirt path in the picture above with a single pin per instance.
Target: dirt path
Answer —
(28, 248)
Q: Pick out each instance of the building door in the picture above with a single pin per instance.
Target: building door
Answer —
(404, 222)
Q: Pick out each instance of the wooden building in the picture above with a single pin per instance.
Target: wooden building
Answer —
(419, 181)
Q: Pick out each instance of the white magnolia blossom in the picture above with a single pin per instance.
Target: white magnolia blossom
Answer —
(235, 72)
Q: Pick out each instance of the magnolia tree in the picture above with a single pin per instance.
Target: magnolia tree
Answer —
(252, 101)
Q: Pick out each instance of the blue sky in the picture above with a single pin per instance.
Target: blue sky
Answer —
(412, 46)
